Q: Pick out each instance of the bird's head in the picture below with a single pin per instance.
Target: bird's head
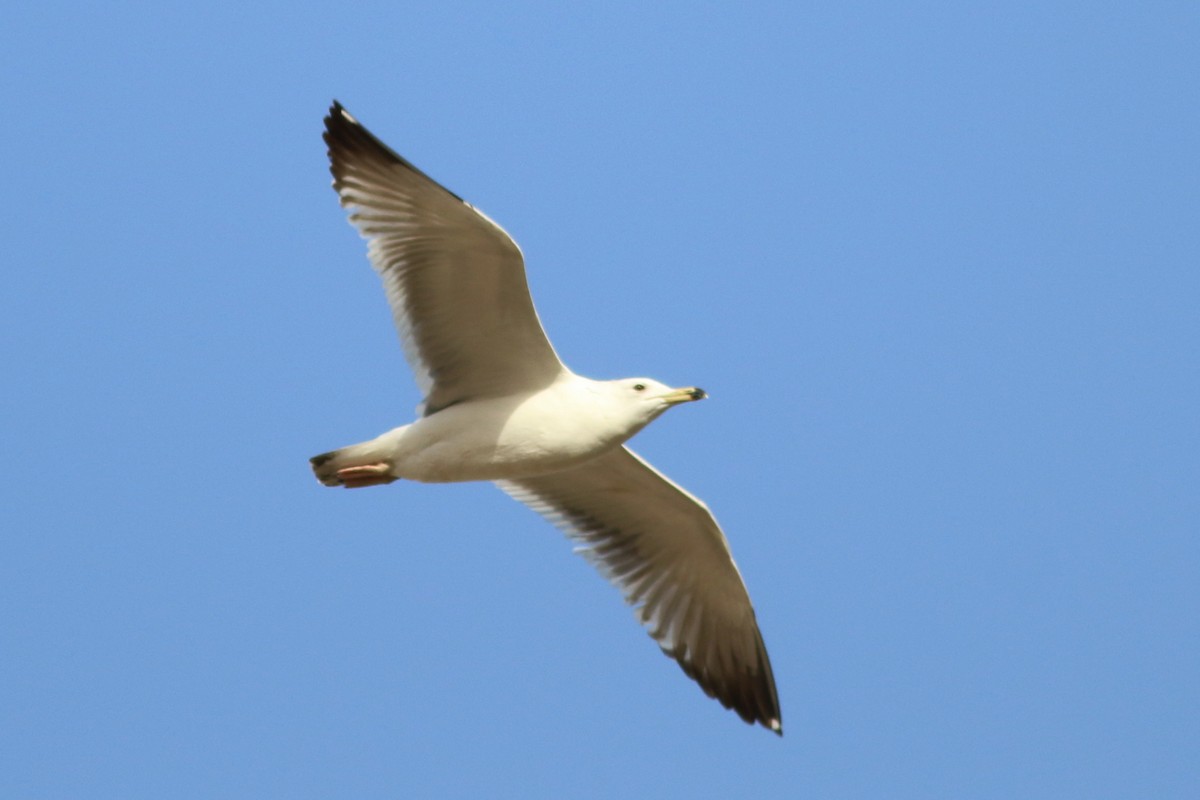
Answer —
(647, 398)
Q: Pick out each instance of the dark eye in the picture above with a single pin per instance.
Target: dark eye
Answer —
(639, 387)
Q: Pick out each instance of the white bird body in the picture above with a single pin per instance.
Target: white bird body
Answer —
(503, 438)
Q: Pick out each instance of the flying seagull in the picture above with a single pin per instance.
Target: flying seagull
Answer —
(500, 406)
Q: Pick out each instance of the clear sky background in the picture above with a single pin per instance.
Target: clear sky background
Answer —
(938, 265)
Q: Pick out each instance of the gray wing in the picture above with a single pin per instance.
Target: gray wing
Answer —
(663, 549)
(454, 279)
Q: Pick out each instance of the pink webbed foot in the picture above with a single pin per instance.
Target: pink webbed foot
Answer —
(366, 475)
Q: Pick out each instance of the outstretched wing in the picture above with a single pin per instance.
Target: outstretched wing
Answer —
(455, 280)
(663, 549)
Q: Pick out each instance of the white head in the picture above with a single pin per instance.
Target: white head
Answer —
(646, 398)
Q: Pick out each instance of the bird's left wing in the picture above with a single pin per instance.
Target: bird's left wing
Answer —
(454, 279)
(663, 549)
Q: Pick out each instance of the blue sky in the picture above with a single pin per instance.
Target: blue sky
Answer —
(937, 266)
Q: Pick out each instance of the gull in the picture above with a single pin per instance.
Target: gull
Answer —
(500, 406)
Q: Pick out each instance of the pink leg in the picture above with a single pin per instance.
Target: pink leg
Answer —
(366, 475)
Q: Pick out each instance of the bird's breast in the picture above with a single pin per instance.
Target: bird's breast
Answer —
(507, 438)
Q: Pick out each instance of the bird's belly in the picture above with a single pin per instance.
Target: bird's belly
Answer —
(511, 443)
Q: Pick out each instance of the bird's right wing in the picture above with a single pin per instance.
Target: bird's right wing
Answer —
(454, 279)
(663, 549)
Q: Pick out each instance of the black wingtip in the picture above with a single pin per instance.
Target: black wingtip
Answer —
(346, 138)
(336, 112)
(344, 133)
